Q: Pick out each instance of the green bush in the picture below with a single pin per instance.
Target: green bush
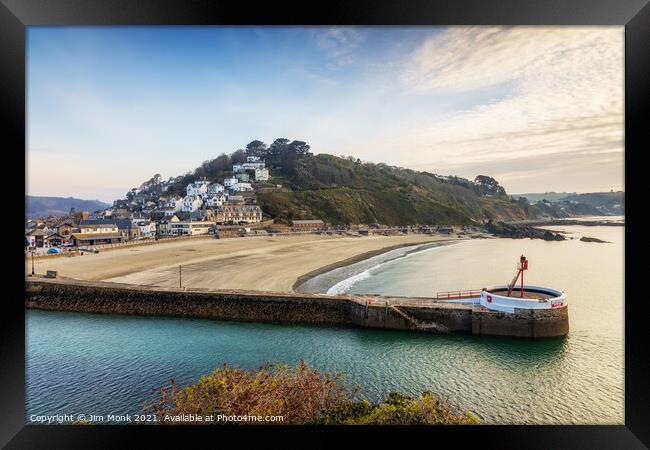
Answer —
(300, 394)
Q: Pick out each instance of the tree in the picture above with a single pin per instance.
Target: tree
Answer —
(256, 148)
(276, 150)
(152, 181)
(488, 186)
(239, 156)
(300, 148)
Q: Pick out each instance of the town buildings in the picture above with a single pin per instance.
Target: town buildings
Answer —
(155, 209)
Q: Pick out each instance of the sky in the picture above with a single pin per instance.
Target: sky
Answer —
(538, 108)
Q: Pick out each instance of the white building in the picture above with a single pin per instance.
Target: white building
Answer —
(248, 165)
(215, 188)
(147, 227)
(243, 177)
(262, 174)
(214, 201)
(197, 188)
(171, 205)
(241, 187)
(190, 228)
(253, 165)
(191, 203)
(228, 182)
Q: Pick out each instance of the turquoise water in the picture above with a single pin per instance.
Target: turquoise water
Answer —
(106, 364)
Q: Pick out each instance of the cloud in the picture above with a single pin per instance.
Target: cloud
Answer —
(565, 96)
(339, 43)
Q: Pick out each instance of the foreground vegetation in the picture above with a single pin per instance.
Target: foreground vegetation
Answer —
(301, 394)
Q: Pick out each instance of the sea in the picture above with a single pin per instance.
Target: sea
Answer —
(110, 364)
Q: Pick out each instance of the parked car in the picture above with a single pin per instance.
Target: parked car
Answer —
(53, 250)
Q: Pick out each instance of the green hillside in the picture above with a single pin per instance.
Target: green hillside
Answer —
(346, 190)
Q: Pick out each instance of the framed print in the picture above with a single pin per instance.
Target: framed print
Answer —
(365, 218)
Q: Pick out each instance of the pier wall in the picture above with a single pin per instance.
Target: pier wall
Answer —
(530, 323)
(241, 306)
(113, 298)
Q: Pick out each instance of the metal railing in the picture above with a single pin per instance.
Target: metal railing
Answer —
(458, 294)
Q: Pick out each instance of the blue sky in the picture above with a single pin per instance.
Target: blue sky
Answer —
(538, 108)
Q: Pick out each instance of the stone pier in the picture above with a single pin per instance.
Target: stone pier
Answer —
(394, 313)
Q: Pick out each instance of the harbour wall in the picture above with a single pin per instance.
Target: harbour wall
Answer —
(295, 308)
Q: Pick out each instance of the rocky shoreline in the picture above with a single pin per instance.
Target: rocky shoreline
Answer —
(519, 231)
(592, 239)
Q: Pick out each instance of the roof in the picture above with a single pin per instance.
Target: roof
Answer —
(91, 236)
(54, 236)
(122, 223)
(198, 214)
(307, 222)
(37, 232)
(87, 222)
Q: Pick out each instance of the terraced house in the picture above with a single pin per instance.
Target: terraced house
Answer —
(239, 214)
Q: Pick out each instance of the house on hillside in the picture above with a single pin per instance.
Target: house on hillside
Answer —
(241, 187)
(228, 182)
(261, 174)
(170, 205)
(191, 203)
(215, 201)
(243, 176)
(199, 187)
(215, 188)
(252, 165)
(235, 199)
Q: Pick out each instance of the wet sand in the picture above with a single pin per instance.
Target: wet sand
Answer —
(253, 263)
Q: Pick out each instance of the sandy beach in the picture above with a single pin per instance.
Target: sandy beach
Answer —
(254, 263)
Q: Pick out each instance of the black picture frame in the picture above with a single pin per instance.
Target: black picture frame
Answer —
(16, 15)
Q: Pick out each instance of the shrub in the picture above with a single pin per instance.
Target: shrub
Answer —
(300, 394)
(399, 409)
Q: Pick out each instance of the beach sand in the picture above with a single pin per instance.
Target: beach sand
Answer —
(253, 263)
